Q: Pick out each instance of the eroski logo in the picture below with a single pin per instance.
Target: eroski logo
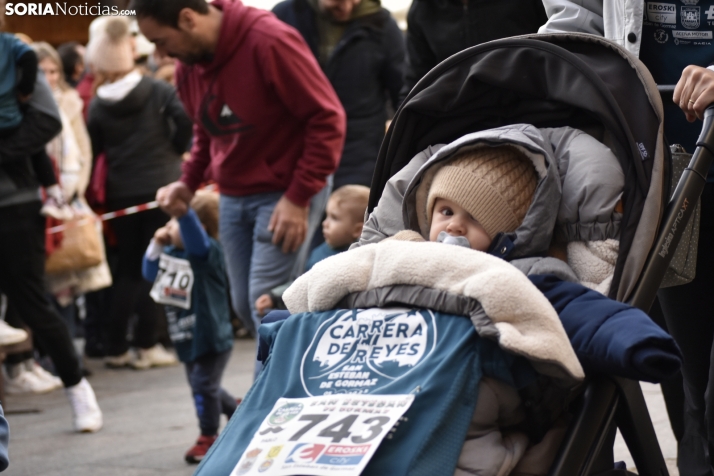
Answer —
(305, 453)
(359, 351)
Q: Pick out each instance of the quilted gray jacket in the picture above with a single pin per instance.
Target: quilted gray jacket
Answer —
(575, 192)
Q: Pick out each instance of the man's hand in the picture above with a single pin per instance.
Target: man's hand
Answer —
(174, 198)
(694, 91)
(262, 304)
(288, 225)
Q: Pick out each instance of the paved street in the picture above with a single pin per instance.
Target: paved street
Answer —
(149, 424)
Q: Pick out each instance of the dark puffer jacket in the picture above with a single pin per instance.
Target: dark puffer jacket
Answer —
(143, 136)
(440, 28)
(40, 123)
(364, 68)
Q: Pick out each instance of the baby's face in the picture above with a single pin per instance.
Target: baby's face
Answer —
(339, 228)
(451, 218)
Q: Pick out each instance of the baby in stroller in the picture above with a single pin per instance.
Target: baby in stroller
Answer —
(486, 392)
(479, 193)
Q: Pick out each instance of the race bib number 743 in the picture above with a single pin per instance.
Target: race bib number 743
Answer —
(321, 436)
(173, 283)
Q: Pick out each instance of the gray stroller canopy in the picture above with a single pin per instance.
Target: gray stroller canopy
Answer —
(575, 80)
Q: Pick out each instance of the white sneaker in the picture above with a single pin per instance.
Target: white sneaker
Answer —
(10, 335)
(118, 361)
(25, 382)
(156, 356)
(33, 367)
(86, 415)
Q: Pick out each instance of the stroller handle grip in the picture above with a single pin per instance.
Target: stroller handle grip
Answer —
(676, 216)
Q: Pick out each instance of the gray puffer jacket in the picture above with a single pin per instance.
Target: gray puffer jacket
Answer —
(576, 192)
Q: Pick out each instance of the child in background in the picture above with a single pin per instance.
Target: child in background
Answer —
(18, 62)
(341, 227)
(186, 264)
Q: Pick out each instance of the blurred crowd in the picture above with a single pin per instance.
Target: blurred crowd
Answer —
(162, 185)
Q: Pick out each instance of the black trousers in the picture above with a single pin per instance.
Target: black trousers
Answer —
(130, 295)
(690, 320)
(210, 399)
(22, 270)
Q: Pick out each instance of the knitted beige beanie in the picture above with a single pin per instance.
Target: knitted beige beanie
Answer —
(494, 184)
(111, 50)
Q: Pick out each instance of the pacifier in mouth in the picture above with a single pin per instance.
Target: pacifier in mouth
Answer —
(444, 237)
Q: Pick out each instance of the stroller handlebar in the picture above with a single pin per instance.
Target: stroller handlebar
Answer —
(666, 88)
(676, 214)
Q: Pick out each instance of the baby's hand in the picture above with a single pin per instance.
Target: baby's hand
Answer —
(162, 236)
(263, 303)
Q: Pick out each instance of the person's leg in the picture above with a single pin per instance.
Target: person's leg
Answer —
(269, 266)
(688, 316)
(22, 253)
(94, 323)
(205, 377)
(124, 296)
(68, 314)
(129, 286)
(236, 228)
(145, 333)
(691, 327)
(709, 411)
(125, 291)
(318, 204)
(145, 336)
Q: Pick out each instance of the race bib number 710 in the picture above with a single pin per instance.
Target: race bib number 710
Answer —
(174, 282)
(321, 436)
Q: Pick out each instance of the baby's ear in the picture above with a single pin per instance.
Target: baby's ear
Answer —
(357, 230)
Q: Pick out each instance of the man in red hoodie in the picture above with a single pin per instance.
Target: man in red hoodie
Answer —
(267, 126)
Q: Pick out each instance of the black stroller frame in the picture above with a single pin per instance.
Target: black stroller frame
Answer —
(621, 400)
(606, 400)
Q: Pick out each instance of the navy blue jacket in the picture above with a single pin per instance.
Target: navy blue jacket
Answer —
(365, 67)
(205, 328)
(610, 337)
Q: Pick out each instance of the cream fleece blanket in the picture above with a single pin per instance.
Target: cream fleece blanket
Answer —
(526, 322)
(594, 263)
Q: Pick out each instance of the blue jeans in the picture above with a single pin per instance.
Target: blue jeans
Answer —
(255, 265)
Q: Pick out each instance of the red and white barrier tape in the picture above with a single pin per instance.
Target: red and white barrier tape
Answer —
(115, 214)
(106, 216)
